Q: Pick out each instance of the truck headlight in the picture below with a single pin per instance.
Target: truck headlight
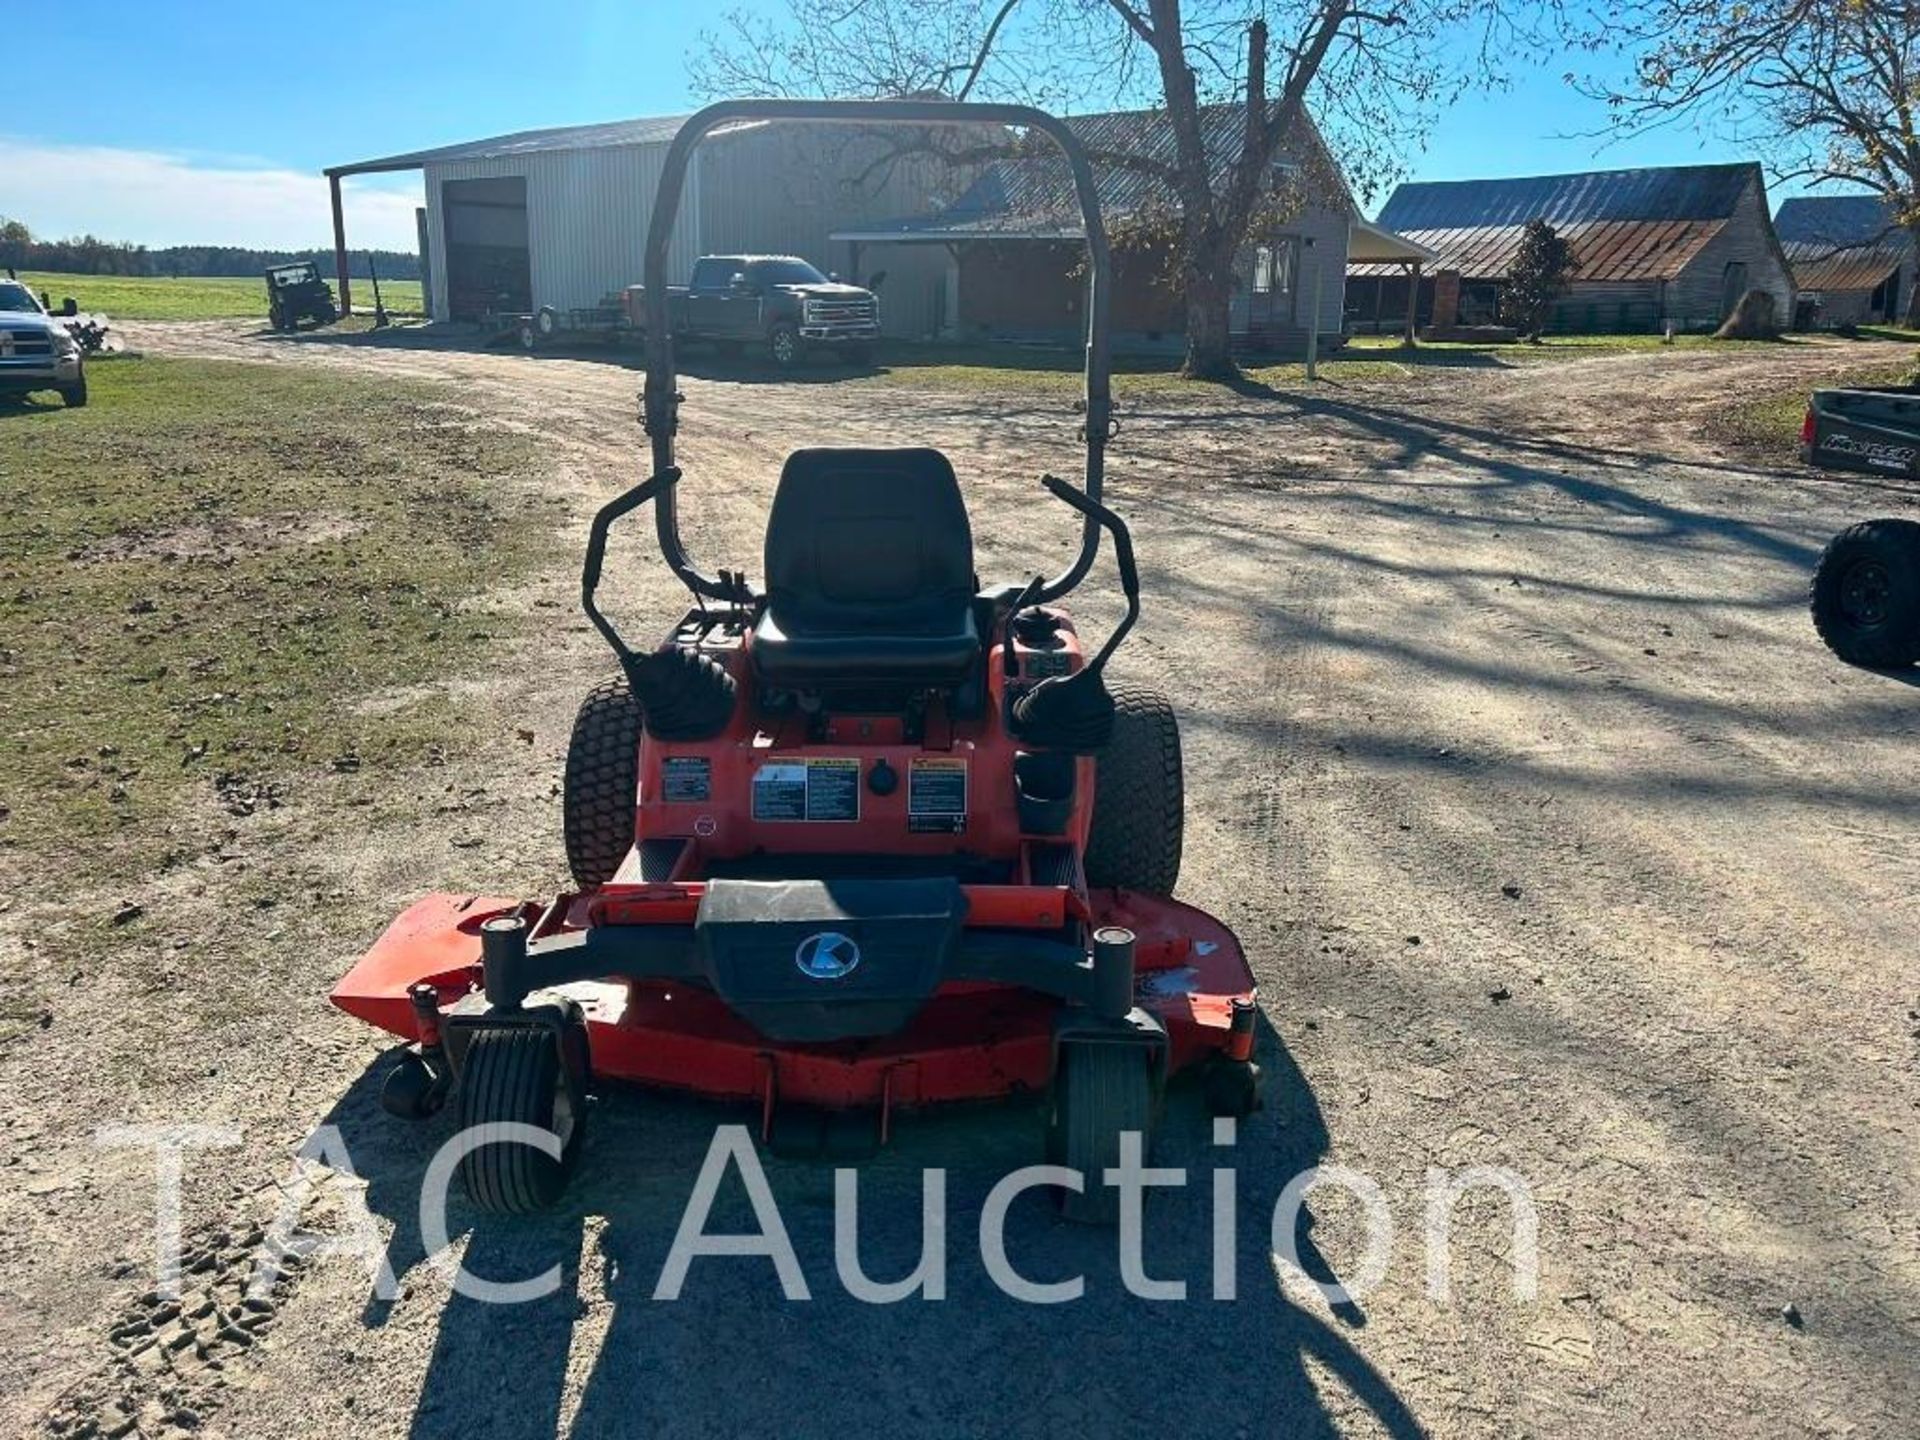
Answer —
(64, 344)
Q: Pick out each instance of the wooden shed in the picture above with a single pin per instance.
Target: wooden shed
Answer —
(1853, 264)
(1679, 244)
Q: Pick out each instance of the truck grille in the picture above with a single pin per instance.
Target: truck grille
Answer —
(840, 312)
(23, 345)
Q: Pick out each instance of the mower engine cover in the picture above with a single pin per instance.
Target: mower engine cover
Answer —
(810, 960)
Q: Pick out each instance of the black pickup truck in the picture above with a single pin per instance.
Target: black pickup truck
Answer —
(1872, 430)
(779, 305)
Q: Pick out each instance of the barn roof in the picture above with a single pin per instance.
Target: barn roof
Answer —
(1846, 220)
(647, 130)
(1623, 225)
(1817, 265)
(1032, 197)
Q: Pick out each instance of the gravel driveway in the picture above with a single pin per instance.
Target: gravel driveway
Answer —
(1557, 841)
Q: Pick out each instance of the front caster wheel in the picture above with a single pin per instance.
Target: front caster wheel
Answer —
(1232, 1088)
(517, 1076)
(1100, 1092)
(413, 1089)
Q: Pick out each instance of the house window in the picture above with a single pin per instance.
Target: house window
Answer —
(1273, 267)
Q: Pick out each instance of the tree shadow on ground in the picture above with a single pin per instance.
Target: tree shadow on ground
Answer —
(733, 1354)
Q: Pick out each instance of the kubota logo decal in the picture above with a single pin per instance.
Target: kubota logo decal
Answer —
(827, 956)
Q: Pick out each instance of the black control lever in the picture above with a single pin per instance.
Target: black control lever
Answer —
(1122, 554)
(1075, 712)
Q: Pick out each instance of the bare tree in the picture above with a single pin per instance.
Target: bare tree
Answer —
(1827, 88)
(1371, 71)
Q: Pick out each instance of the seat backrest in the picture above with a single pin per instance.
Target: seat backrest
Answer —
(864, 538)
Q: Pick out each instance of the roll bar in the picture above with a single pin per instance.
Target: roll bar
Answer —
(661, 400)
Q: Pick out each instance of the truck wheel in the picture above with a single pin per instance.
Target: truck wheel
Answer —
(74, 396)
(784, 347)
(1139, 798)
(602, 780)
(1865, 596)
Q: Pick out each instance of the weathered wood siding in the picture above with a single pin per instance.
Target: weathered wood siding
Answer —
(1695, 295)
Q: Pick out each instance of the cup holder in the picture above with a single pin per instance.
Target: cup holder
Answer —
(1043, 783)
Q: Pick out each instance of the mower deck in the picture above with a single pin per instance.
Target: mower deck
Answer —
(972, 1040)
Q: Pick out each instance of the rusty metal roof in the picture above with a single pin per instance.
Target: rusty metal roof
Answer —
(1604, 251)
(1839, 220)
(1819, 266)
(1622, 224)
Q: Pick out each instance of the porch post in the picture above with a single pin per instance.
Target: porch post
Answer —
(1413, 297)
(340, 246)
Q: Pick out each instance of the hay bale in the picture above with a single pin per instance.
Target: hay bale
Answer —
(1752, 319)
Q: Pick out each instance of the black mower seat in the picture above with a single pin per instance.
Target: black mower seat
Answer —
(869, 564)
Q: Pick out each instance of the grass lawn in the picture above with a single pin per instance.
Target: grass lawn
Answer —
(146, 297)
(1364, 358)
(1030, 370)
(204, 572)
(1768, 424)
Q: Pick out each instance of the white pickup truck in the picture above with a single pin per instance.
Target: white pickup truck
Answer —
(37, 351)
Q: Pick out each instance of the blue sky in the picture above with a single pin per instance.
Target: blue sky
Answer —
(190, 126)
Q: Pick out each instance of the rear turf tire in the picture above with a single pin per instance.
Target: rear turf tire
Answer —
(1139, 798)
(1865, 595)
(1100, 1091)
(515, 1076)
(602, 781)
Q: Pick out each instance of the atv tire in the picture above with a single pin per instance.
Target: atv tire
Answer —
(514, 1076)
(1865, 595)
(602, 779)
(1100, 1091)
(1139, 799)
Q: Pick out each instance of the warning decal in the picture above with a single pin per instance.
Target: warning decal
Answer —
(937, 794)
(686, 779)
(826, 788)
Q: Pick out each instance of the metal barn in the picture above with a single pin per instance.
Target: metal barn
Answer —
(1679, 244)
(1853, 264)
(559, 217)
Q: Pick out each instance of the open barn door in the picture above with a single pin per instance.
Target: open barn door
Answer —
(488, 266)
